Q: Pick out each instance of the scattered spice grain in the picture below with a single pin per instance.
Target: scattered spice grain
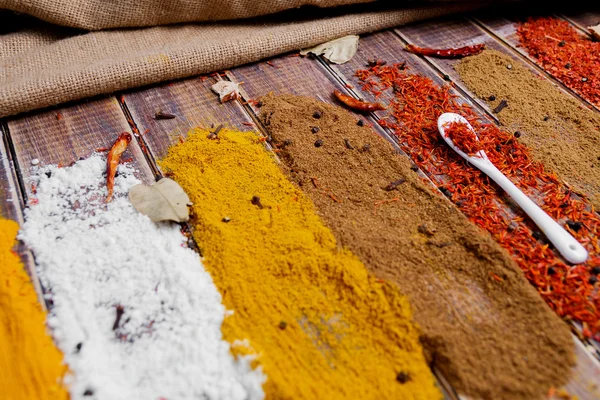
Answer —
(554, 43)
(476, 330)
(346, 335)
(446, 53)
(568, 145)
(31, 366)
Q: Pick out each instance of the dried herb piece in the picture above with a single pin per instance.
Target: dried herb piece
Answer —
(337, 51)
(357, 105)
(503, 104)
(463, 137)
(163, 115)
(120, 311)
(226, 90)
(112, 161)
(256, 201)
(394, 185)
(165, 200)
(215, 134)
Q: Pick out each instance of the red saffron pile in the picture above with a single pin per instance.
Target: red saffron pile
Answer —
(416, 103)
(565, 54)
(463, 137)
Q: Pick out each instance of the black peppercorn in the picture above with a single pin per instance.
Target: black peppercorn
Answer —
(317, 114)
(360, 122)
(551, 271)
(595, 270)
(592, 280)
(319, 143)
(561, 43)
(575, 226)
(568, 65)
(403, 377)
(517, 134)
(315, 129)
(498, 148)
(492, 98)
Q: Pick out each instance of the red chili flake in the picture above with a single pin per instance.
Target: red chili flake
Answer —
(357, 105)
(248, 123)
(269, 63)
(58, 116)
(446, 53)
(112, 161)
(463, 137)
(416, 104)
(565, 54)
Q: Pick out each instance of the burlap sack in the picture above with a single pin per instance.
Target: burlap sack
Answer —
(45, 66)
(103, 14)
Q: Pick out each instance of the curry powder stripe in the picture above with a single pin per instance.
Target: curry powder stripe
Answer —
(31, 366)
(319, 324)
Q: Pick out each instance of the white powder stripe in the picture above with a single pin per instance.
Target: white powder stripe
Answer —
(91, 258)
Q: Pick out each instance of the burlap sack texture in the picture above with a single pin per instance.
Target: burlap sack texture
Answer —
(44, 65)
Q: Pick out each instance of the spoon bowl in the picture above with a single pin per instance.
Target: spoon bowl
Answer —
(563, 241)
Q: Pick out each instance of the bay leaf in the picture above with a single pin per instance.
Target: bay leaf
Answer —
(163, 201)
(337, 51)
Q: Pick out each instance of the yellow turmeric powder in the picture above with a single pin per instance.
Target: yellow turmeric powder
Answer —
(31, 367)
(320, 325)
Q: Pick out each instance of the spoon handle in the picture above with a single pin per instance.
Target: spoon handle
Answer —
(566, 244)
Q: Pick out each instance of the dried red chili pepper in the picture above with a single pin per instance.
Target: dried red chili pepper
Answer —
(447, 53)
(357, 105)
(112, 161)
(570, 57)
(463, 137)
(414, 109)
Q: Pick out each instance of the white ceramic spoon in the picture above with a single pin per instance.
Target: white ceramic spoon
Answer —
(562, 240)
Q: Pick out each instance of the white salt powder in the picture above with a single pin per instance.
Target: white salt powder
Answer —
(93, 257)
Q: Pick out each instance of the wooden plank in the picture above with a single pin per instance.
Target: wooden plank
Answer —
(11, 206)
(582, 19)
(11, 202)
(505, 30)
(193, 104)
(65, 135)
(385, 46)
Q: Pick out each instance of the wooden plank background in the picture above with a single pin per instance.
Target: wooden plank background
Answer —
(66, 134)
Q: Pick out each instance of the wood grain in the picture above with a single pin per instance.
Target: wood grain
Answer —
(583, 19)
(65, 135)
(194, 105)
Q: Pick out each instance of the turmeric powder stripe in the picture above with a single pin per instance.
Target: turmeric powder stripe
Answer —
(31, 367)
(318, 324)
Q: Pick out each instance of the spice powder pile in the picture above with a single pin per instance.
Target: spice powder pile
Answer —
(561, 134)
(31, 367)
(416, 102)
(483, 325)
(133, 310)
(321, 326)
(564, 53)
